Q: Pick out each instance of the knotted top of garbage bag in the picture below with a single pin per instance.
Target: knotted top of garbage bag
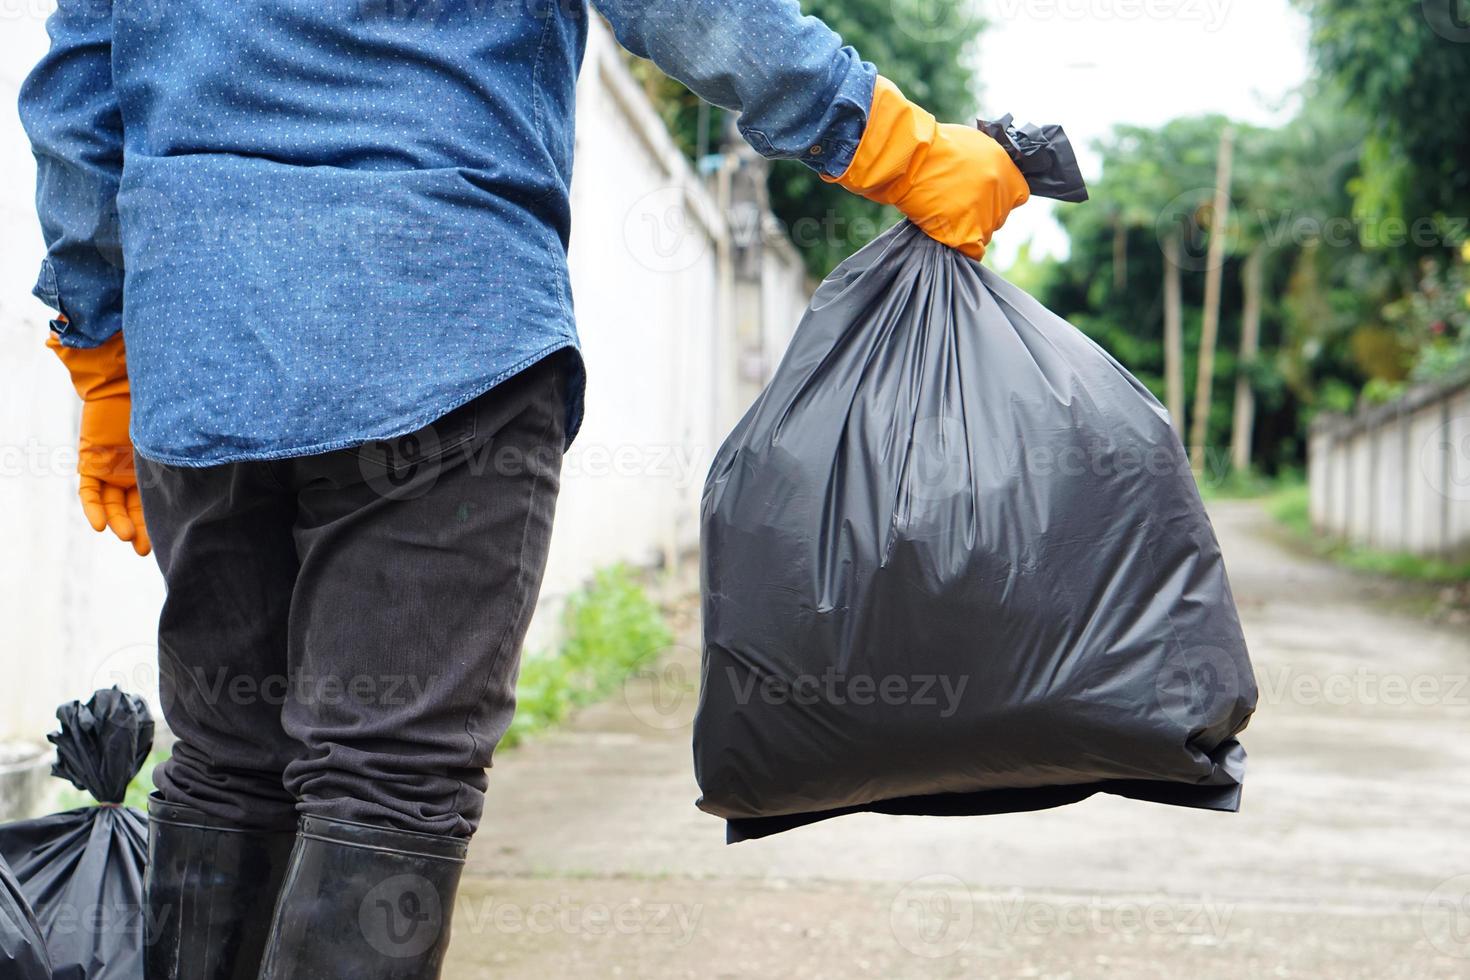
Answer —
(1044, 156)
(103, 744)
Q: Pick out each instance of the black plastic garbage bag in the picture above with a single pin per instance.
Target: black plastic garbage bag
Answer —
(1043, 154)
(22, 950)
(82, 870)
(954, 562)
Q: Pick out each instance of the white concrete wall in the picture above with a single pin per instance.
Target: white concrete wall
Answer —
(1424, 492)
(784, 294)
(657, 332)
(78, 610)
(1457, 476)
(1396, 478)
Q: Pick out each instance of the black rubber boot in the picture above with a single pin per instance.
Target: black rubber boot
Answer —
(209, 889)
(364, 903)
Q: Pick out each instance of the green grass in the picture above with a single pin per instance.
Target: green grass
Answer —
(142, 783)
(1289, 506)
(611, 627)
(1238, 485)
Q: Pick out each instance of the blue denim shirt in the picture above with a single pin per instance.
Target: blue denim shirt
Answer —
(323, 222)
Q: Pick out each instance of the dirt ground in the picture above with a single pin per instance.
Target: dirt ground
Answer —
(1350, 857)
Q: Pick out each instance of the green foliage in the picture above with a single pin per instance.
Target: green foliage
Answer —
(925, 47)
(1027, 271)
(1291, 506)
(1248, 485)
(610, 628)
(1346, 201)
(1405, 69)
(1323, 332)
(1443, 360)
(142, 783)
(1156, 184)
(1434, 319)
(693, 125)
(1380, 392)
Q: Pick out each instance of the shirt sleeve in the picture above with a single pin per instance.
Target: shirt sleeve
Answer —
(800, 92)
(70, 112)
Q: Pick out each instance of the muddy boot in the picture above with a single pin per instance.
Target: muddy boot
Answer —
(364, 902)
(208, 890)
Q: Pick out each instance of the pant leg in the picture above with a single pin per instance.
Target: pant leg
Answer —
(420, 564)
(223, 539)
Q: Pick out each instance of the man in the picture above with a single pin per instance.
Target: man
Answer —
(333, 233)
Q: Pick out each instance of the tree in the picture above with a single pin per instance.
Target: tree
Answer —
(1214, 275)
(1244, 420)
(1151, 202)
(1173, 332)
(924, 46)
(1289, 188)
(1405, 68)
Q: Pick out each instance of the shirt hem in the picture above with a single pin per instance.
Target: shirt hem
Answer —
(418, 422)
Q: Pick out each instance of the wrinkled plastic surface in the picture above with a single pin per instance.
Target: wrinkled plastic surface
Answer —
(1043, 154)
(954, 562)
(82, 870)
(22, 950)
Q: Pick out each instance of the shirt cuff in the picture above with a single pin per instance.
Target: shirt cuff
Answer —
(845, 121)
(88, 317)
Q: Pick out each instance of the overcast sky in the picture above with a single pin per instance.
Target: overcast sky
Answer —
(1091, 64)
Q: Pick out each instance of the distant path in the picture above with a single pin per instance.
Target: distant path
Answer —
(593, 861)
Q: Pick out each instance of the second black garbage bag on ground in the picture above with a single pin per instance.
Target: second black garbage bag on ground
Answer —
(22, 950)
(955, 562)
(81, 870)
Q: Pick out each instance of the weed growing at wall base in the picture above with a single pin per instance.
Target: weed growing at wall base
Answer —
(610, 628)
(138, 789)
(1290, 508)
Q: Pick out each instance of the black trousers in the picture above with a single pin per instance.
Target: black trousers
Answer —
(342, 632)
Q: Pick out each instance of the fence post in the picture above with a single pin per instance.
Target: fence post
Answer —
(1446, 546)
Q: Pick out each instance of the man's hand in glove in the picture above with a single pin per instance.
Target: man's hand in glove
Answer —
(109, 485)
(954, 182)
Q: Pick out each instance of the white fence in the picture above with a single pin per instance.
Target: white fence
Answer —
(1396, 477)
(680, 324)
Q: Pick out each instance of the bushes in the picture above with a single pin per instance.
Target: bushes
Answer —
(609, 629)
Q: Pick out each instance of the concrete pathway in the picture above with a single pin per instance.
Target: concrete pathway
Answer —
(1349, 859)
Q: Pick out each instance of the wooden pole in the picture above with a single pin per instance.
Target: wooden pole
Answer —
(1210, 329)
(1173, 334)
(1120, 253)
(1250, 342)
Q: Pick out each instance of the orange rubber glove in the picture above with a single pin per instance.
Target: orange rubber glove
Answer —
(954, 182)
(109, 484)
